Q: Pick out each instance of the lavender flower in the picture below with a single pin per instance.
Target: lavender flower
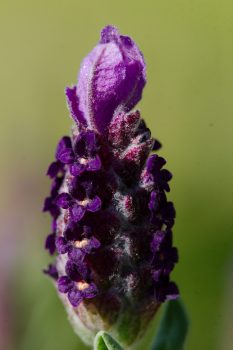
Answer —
(112, 222)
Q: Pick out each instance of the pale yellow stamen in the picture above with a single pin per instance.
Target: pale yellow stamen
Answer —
(84, 202)
(81, 244)
(83, 161)
(82, 285)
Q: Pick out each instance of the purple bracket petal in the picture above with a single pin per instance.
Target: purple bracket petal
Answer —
(112, 77)
(73, 105)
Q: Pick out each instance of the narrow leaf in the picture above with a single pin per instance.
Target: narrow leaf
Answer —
(104, 341)
(173, 327)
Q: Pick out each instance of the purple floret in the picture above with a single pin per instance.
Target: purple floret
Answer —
(78, 208)
(76, 249)
(76, 291)
(73, 105)
(82, 156)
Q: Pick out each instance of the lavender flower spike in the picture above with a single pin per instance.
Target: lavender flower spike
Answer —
(111, 220)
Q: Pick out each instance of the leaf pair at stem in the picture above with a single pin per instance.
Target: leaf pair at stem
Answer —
(170, 336)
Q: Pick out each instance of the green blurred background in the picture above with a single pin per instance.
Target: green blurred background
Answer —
(187, 103)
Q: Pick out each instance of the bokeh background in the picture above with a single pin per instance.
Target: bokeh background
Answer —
(187, 103)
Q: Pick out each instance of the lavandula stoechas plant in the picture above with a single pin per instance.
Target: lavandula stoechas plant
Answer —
(111, 220)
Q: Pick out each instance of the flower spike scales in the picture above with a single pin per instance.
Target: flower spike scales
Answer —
(111, 220)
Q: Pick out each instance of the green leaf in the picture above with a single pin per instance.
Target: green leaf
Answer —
(104, 341)
(173, 327)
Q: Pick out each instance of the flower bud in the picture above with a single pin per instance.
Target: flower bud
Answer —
(111, 221)
(111, 80)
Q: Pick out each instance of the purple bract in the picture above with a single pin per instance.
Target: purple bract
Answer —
(111, 220)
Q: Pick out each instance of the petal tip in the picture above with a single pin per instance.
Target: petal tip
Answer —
(109, 34)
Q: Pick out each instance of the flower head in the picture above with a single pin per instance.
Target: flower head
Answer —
(111, 220)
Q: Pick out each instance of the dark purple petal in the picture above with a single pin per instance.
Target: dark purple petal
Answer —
(76, 255)
(76, 272)
(67, 156)
(94, 164)
(77, 168)
(90, 292)
(94, 204)
(50, 206)
(91, 142)
(156, 146)
(80, 145)
(168, 213)
(174, 256)
(94, 243)
(75, 297)
(64, 152)
(47, 204)
(166, 175)
(86, 186)
(54, 225)
(50, 243)
(54, 169)
(77, 212)
(154, 164)
(172, 291)
(62, 245)
(87, 231)
(64, 284)
(154, 201)
(157, 241)
(112, 76)
(165, 186)
(51, 271)
(83, 270)
(73, 106)
(64, 200)
(55, 186)
(156, 274)
(73, 231)
(63, 145)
